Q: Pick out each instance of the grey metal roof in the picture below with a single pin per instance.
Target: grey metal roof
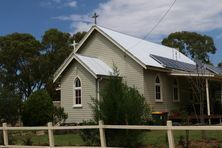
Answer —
(216, 70)
(97, 66)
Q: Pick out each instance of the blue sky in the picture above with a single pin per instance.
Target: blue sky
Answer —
(135, 17)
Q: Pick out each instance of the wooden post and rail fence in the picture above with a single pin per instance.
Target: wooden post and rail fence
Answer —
(169, 128)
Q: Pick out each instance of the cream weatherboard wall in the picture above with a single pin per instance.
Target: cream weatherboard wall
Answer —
(100, 47)
(134, 74)
(167, 104)
(88, 82)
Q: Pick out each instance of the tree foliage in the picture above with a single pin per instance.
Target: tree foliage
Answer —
(19, 59)
(27, 64)
(9, 107)
(130, 106)
(120, 105)
(192, 44)
(78, 36)
(37, 109)
(56, 48)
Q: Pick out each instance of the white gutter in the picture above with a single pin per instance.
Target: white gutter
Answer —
(191, 74)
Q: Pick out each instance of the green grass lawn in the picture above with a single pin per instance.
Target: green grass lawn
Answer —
(160, 137)
(42, 140)
(60, 140)
(150, 137)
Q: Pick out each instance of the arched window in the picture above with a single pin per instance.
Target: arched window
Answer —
(77, 92)
(175, 91)
(158, 96)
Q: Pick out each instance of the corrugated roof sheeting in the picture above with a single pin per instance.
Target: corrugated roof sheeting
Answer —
(97, 66)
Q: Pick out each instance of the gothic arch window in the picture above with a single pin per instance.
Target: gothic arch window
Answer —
(77, 100)
(176, 96)
(158, 95)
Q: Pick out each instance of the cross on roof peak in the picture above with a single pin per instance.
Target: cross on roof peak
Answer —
(74, 44)
(95, 17)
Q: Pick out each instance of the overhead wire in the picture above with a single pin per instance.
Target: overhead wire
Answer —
(158, 22)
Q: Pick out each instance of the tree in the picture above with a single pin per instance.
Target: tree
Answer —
(37, 109)
(56, 48)
(78, 36)
(219, 64)
(120, 105)
(194, 45)
(9, 107)
(19, 57)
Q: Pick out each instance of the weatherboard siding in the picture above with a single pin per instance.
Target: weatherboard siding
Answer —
(88, 83)
(166, 81)
(100, 47)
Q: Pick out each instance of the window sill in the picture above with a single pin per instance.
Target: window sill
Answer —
(159, 101)
(77, 106)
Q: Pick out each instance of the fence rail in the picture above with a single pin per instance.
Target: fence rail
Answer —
(169, 128)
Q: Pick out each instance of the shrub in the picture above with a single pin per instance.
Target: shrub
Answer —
(121, 105)
(59, 116)
(37, 109)
(9, 107)
(90, 136)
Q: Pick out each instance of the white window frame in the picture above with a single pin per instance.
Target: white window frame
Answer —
(75, 105)
(160, 86)
(178, 90)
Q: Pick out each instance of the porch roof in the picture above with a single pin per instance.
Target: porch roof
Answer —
(179, 68)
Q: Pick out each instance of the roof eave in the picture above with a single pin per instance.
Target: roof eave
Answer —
(191, 74)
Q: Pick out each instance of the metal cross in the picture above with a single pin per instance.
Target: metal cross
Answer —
(74, 45)
(95, 17)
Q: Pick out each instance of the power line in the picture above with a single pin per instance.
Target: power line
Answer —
(163, 16)
(160, 20)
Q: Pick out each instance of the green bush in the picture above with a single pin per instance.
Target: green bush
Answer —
(90, 136)
(9, 107)
(121, 105)
(59, 115)
(37, 109)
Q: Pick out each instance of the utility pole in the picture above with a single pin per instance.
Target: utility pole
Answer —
(95, 17)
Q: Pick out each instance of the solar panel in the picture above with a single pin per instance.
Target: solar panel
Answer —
(214, 69)
(169, 63)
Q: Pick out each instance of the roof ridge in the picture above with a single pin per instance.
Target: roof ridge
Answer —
(133, 36)
(123, 33)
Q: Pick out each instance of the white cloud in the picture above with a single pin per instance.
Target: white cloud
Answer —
(59, 3)
(137, 17)
(74, 18)
(72, 4)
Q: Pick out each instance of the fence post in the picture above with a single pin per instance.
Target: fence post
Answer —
(170, 134)
(51, 136)
(5, 134)
(102, 134)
